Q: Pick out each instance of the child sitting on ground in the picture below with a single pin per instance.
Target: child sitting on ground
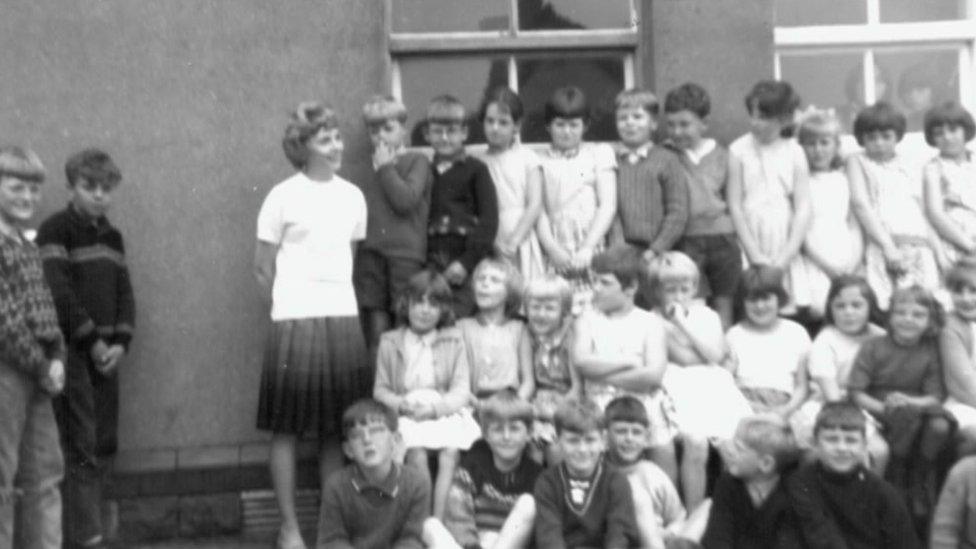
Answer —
(957, 351)
(750, 505)
(583, 501)
(954, 522)
(838, 501)
(490, 502)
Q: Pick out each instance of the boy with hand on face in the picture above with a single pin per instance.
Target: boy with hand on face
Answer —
(840, 503)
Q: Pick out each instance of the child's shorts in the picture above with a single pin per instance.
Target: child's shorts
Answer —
(379, 279)
(719, 260)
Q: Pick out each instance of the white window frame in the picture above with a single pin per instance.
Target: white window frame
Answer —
(513, 41)
(819, 39)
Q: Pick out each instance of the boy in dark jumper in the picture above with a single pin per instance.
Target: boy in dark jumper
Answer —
(583, 501)
(398, 201)
(839, 501)
(84, 264)
(463, 204)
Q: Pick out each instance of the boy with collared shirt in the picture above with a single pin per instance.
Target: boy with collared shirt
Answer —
(839, 501)
(750, 505)
(490, 501)
(652, 193)
(31, 368)
(463, 204)
(373, 503)
(709, 237)
(84, 264)
(398, 201)
(583, 501)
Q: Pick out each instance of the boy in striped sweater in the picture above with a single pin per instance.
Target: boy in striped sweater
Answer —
(490, 502)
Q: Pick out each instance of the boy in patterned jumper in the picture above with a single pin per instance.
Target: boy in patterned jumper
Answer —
(31, 368)
(84, 263)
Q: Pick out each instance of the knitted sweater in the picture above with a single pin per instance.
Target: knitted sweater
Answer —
(652, 200)
(856, 510)
(708, 212)
(84, 263)
(397, 205)
(735, 522)
(463, 203)
(29, 335)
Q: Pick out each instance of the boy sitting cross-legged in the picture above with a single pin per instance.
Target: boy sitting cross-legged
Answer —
(490, 502)
(750, 505)
(583, 501)
(839, 501)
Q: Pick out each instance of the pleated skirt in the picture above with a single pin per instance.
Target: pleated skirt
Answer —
(313, 370)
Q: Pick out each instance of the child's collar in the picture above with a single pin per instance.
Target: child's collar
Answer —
(696, 154)
(561, 153)
(389, 486)
(633, 156)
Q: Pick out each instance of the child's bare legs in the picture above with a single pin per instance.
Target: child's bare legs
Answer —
(377, 321)
(694, 460)
(666, 458)
(694, 526)
(517, 530)
(282, 464)
(447, 459)
(878, 453)
(436, 536)
(651, 537)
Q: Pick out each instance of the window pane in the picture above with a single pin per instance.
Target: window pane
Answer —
(467, 78)
(574, 14)
(450, 15)
(601, 77)
(907, 11)
(833, 80)
(798, 13)
(922, 79)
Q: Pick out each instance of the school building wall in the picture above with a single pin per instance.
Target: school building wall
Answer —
(191, 97)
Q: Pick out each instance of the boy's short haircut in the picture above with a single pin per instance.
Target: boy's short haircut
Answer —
(758, 281)
(446, 109)
(550, 287)
(672, 266)
(688, 97)
(626, 409)
(506, 405)
(579, 417)
(513, 281)
(506, 99)
(21, 163)
(919, 295)
(843, 415)
(769, 434)
(961, 273)
(624, 262)
(365, 411)
(94, 165)
(308, 119)
(380, 108)
(432, 285)
(639, 98)
(567, 102)
(881, 116)
(950, 114)
(772, 99)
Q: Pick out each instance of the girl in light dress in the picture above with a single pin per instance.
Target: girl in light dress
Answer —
(886, 194)
(708, 405)
(769, 188)
(950, 178)
(579, 193)
(834, 244)
(422, 373)
(850, 307)
(517, 173)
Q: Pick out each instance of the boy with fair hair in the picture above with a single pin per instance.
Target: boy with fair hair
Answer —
(750, 505)
(838, 500)
(583, 502)
(397, 200)
(373, 502)
(490, 503)
(31, 368)
(463, 205)
(84, 264)
(709, 237)
(652, 194)
(621, 349)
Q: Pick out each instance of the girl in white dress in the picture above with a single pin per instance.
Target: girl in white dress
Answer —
(769, 192)
(517, 173)
(834, 244)
(950, 178)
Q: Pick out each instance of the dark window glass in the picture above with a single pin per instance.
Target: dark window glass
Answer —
(922, 79)
(574, 14)
(833, 80)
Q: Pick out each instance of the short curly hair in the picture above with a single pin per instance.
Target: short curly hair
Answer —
(93, 165)
(688, 97)
(308, 119)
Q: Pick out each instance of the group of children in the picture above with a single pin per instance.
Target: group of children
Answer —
(537, 293)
